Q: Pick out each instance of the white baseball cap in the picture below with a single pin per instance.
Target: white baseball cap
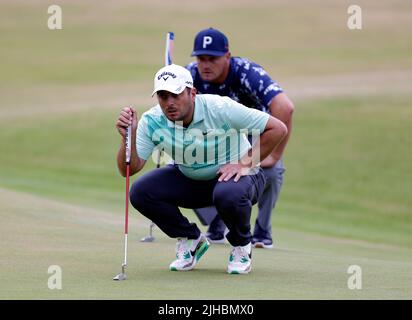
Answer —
(172, 78)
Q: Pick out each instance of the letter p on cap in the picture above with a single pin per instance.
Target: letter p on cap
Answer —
(206, 41)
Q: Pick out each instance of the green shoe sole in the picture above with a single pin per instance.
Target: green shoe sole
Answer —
(201, 251)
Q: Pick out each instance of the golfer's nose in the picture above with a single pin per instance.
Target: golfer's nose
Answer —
(205, 64)
(170, 100)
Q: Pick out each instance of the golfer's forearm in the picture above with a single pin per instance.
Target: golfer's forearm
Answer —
(278, 151)
(271, 138)
(282, 108)
(274, 133)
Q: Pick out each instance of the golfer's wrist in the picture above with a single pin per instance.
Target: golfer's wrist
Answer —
(249, 164)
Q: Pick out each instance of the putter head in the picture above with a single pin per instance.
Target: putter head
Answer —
(121, 276)
(147, 239)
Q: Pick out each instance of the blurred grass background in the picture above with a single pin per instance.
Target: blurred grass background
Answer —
(348, 161)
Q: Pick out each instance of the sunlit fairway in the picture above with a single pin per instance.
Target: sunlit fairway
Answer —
(347, 194)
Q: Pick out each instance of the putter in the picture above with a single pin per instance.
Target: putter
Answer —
(168, 60)
(122, 275)
(150, 237)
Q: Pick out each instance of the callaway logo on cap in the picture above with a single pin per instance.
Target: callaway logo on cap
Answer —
(165, 75)
(172, 78)
(210, 42)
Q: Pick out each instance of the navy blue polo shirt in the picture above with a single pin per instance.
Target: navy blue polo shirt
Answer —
(247, 83)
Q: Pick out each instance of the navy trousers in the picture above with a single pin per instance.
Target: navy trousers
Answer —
(159, 193)
(263, 224)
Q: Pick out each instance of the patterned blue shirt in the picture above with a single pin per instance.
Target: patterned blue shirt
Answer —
(247, 83)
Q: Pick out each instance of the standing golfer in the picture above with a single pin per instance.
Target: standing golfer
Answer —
(214, 164)
(216, 72)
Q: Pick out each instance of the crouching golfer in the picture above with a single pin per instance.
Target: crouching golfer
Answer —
(214, 164)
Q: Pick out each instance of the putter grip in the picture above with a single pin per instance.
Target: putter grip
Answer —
(128, 143)
(170, 36)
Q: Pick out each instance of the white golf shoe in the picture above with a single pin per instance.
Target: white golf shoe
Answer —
(240, 260)
(188, 253)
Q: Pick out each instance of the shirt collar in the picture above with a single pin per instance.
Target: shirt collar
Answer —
(231, 73)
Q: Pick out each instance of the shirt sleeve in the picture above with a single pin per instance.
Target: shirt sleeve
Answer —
(144, 143)
(192, 69)
(255, 80)
(241, 117)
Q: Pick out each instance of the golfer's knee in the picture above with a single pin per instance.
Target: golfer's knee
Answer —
(139, 195)
(272, 175)
(228, 200)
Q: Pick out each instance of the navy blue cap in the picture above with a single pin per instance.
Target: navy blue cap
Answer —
(210, 42)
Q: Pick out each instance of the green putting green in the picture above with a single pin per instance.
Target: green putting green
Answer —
(346, 200)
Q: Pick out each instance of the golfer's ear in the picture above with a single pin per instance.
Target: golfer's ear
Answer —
(193, 92)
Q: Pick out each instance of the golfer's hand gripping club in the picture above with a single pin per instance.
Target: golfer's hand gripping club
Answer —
(128, 145)
(127, 118)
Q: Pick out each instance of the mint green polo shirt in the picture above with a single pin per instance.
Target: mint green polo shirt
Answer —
(216, 136)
